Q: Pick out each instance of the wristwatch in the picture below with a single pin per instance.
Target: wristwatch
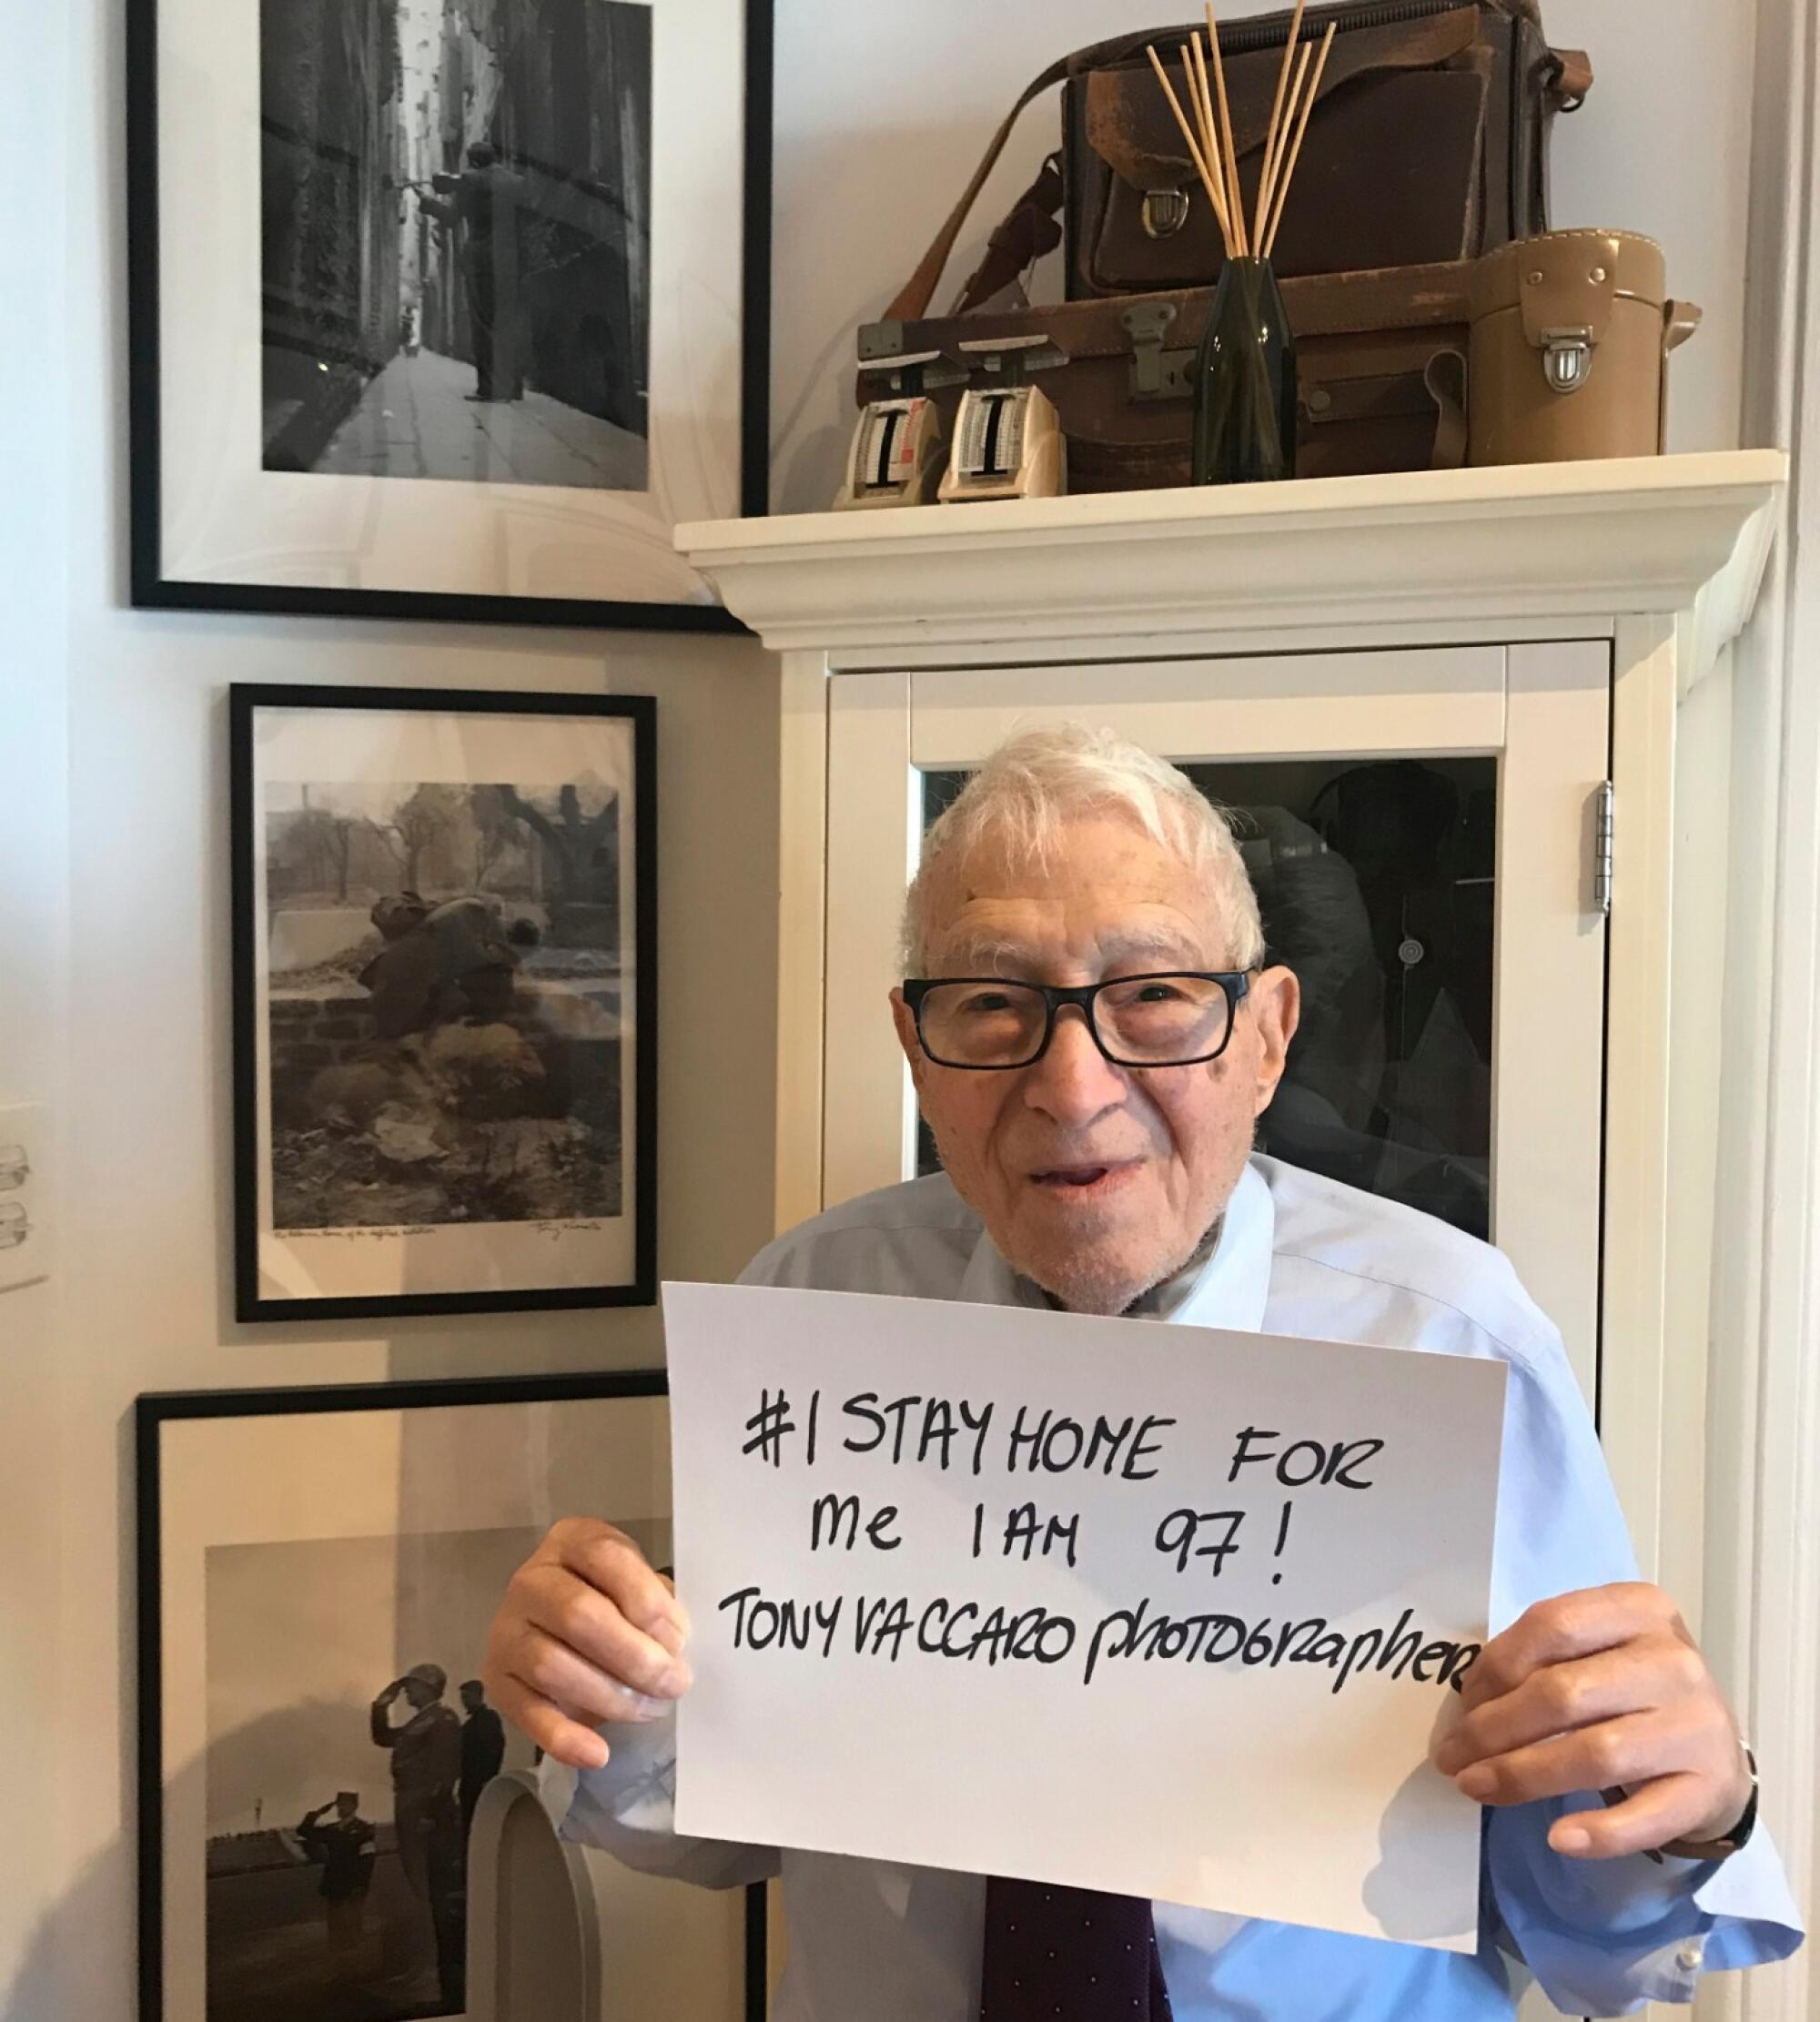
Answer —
(1705, 1849)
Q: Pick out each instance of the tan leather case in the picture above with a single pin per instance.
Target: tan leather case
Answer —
(1567, 354)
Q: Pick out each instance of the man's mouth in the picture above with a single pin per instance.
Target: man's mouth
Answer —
(1082, 1178)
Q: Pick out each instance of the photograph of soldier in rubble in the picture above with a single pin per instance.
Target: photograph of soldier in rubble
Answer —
(456, 214)
(444, 1003)
(444, 1000)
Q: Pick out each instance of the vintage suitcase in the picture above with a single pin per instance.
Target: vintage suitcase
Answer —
(1429, 144)
(1379, 368)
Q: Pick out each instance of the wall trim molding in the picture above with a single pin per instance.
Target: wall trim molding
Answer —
(1762, 1574)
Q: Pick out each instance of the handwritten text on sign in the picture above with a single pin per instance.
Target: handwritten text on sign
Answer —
(1148, 1608)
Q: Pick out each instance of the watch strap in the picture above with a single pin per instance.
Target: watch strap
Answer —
(1703, 1849)
(1727, 1843)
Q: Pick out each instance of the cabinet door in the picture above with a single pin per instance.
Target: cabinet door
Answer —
(1420, 828)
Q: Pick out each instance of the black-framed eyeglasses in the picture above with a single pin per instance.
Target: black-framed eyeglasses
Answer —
(1176, 1018)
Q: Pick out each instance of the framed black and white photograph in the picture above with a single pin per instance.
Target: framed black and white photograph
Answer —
(444, 981)
(446, 307)
(317, 1570)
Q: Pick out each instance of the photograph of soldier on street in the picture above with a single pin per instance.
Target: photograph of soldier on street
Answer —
(456, 218)
(445, 1003)
(349, 1739)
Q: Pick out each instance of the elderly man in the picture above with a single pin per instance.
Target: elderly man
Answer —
(1093, 1033)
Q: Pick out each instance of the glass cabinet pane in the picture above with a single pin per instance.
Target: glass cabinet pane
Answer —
(1377, 886)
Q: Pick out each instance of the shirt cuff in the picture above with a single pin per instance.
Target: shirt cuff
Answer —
(1602, 1938)
(629, 1810)
(635, 1794)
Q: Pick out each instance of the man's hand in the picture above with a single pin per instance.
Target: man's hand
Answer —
(587, 1634)
(1595, 1690)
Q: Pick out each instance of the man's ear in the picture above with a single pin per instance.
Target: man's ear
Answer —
(1275, 1001)
(904, 1021)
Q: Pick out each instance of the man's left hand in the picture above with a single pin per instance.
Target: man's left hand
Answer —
(1596, 1689)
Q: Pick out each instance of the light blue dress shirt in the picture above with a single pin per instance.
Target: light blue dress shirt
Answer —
(871, 1941)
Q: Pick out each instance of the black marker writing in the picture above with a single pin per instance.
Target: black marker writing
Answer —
(945, 1630)
(1146, 1634)
(1042, 1536)
(758, 1623)
(1055, 1444)
(1282, 1539)
(834, 1511)
(878, 1624)
(1179, 1535)
(1308, 1461)
(768, 1425)
(940, 1423)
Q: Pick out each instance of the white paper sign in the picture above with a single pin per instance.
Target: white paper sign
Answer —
(1154, 1609)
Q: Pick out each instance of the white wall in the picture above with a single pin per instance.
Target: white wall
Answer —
(32, 891)
(112, 901)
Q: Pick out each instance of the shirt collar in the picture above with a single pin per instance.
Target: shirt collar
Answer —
(1230, 1289)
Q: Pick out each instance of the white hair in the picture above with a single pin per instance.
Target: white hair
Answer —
(1024, 793)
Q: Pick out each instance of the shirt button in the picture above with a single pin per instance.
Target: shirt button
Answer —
(1689, 1956)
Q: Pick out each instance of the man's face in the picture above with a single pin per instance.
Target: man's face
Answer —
(345, 1806)
(473, 1698)
(421, 1693)
(1095, 1181)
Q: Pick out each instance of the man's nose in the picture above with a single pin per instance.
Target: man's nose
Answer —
(1074, 1081)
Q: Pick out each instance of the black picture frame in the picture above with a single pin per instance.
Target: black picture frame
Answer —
(149, 586)
(156, 1411)
(246, 700)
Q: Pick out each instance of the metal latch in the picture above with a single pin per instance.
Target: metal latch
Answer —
(1164, 212)
(1567, 357)
(1156, 374)
(1603, 847)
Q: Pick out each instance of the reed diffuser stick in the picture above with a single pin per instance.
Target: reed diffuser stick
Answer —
(1196, 154)
(1302, 128)
(1216, 147)
(1226, 123)
(1202, 103)
(1278, 140)
(1272, 131)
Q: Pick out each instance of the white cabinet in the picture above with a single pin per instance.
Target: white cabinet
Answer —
(1522, 643)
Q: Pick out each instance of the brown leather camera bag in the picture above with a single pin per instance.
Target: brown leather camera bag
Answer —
(1428, 143)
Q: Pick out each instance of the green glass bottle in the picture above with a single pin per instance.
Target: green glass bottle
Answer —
(1245, 381)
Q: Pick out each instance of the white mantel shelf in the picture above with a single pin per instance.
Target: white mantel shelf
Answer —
(1684, 535)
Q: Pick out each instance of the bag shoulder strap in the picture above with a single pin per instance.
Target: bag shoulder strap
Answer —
(912, 300)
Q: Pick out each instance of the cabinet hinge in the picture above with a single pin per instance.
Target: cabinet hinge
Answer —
(1602, 850)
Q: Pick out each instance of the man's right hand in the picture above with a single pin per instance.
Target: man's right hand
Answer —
(587, 1634)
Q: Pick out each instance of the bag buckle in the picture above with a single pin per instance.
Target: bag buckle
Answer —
(1156, 374)
(1567, 358)
(1164, 212)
